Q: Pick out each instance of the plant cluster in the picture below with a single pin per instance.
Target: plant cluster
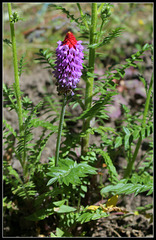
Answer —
(57, 192)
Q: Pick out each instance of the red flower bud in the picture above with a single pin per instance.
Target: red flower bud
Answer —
(70, 40)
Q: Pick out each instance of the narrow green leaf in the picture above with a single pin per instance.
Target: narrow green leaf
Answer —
(121, 72)
(126, 141)
(51, 181)
(136, 134)
(65, 209)
(59, 203)
(142, 79)
(126, 130)
(146, 47)
(118, 142)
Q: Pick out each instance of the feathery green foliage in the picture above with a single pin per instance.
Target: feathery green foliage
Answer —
(69, 171)
(45, 57)
(41, 191)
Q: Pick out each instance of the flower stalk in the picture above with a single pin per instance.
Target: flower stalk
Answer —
(15, 63)
(69, 58)
(131, 162)
(14, 18)
(90, 80)
(60, 130)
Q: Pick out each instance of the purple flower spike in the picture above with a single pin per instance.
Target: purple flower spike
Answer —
(68, 64)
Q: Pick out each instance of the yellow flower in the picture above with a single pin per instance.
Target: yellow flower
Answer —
(141, 22)
(110, 206)
(136, 213)
(112, 201)
(92, 207)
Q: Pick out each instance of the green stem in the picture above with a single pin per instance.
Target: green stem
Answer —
(82, 15)
(100, 8)
(79, 203)
(131, 163)
(147, 102)
(99, 34)
(90, 80)
(17, 91)
(60, 130)
(15, 62)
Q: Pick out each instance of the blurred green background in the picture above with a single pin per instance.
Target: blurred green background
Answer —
(42, 26)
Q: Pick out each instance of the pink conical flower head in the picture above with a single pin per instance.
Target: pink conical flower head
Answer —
(69, 61)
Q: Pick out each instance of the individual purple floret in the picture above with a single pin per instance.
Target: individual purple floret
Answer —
(68, 64)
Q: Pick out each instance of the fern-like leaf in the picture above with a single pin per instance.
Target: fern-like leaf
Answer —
(87, 216)
(128, 188)
(111, 168)
(64, 10)
(45, 58)
(69, 172)
(36, 152)
(25, 190)
(9, 97)
(36, 123)
(115, 33)
(96, 108)
(8, 42)
(21, 65)
(23, 145)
